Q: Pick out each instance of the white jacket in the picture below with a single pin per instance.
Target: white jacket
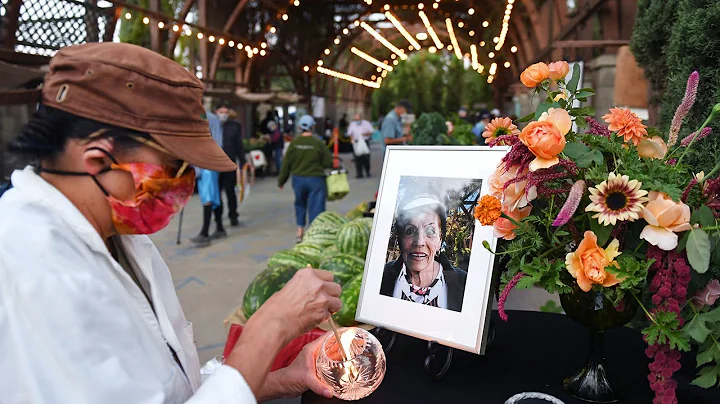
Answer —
(75, 328)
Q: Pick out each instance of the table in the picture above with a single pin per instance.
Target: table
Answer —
(532, 352)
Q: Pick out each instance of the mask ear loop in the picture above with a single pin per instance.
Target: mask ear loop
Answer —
(154, 145)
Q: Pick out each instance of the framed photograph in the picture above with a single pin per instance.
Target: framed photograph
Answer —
(427, 274)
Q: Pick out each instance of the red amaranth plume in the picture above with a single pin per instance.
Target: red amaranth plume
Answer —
(505, 293)
(597, 129)
(684, 107)
(519, 155)
(703, 134)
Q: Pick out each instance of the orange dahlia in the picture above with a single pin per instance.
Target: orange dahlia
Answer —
(626, 124)
(488, 210)
(499, 127)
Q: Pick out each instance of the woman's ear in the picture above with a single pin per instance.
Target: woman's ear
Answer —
(96, 155)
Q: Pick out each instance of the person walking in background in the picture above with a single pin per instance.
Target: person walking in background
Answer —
(306, 160)
(359, 131)
(480, 128)
(209, 191)
(277, 143)
(233, 147)
(392, 128)
(343, 125)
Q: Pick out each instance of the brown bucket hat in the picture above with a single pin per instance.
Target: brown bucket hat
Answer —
(132, 87)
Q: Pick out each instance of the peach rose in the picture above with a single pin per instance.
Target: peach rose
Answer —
(665, 217)
(654, 148)
(587, 264)
(559, 117)
(545, 141)
(559, 70)
(560, 96)
(535, 74)
(504, 228)
(516, 195)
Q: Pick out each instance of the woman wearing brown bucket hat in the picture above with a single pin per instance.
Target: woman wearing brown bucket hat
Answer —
(88, 310)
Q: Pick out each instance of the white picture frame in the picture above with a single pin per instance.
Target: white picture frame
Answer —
(465, 329)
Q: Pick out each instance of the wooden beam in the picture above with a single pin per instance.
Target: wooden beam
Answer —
(155, 38)
(12, 15)
(174, 36)
(228, 24)
(590, 43)
(579, 18)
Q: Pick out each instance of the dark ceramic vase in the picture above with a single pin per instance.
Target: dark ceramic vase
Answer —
(595, 312)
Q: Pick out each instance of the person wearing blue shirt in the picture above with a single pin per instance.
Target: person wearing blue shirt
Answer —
(392, 129)
(209, 191)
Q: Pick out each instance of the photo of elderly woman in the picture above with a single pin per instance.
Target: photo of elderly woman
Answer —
(429, 247)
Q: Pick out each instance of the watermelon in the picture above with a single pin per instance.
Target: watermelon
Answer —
(293, 259)
(328, 219)
(349, 297)
(344, 267)
(329, 252)
(321, 235)
(353, 238)
(313, 250)
(265, 284)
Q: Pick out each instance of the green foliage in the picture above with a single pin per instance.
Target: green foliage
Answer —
(698, 250)
(429, 129)
(432, 83)
(704, 329)
(551, 307)
(633, 274)
(665, 330)
(463, 134)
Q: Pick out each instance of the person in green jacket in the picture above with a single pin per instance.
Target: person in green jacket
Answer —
(306, 159)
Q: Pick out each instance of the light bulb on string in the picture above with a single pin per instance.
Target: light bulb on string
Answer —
(285, 17)
(482, 43)
(491, 55)
(221, 41)
(486, 23)
(320, 63)
(146, 20)
(273, 30)
(432, 49)
(395, 62)
(211, 38)
(306, 68)
(393, 56)
(471, 11)
(248, 48)
(435, 6)
(506, 64)
(421, 6)
(346, 31)
(461, 24)
(263, 45)
(513, 49)
(200, 35)
(337, 41)
(161, 25)
(128, 16)
(263, 53)
(256, 51)
(231, 44)
(471, 33)
(296, 3)
(176, 28)
(239, 45)
(327, 51)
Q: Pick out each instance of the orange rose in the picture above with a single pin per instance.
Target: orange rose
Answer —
(535, 74)
(665, 217)
(654, 148)
(516, 195)
(587, 264)
(545, 141)
(559, 117)
(504, 228)
(559, 70)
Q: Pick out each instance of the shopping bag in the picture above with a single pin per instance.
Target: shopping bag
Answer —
(337, 184)
(360, 147)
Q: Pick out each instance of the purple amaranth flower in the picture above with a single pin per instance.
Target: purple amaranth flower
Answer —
(703, 134)
(505, 293)
(597, 129)
(689, 188)
(671, 162)
(684, 107)
(571, 204)
(504, 140)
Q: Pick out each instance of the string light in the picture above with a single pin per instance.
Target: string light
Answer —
(471, 33)
(486, 24)
(128, 16)
(395, 62)
(496, 39)
(481, 69)
(491, 55)
(513, 49)
(393, 56)
(263, 45)
(432, 49)
(461, 24)
(337, 41)
(296, 3)
(430, 30)
(221, 41)
(482, 43)
(383, 41)
(346, 31)
(379, 70)
(211, 38)
(507, 65)
(435, 6)
(384, 73)
(422, 36)
(306, 68)
(471, 11)
(320, 62)
(146, 20)
(200, 35)
(368, 58)
(256, 51)
(161, 25)
(374, 77)
(239, 45)
(493, 69)
(474, 54)
(285, 17)
(231, 44)
(453, 39)
(262, 52)
(449, 47)
(176, 28)
(248, 48)
(402, 30)
(505, 25)
(490, 79)
(411, 48)
(327, 51)
(347, 77)
(387, 7)
(273, 30)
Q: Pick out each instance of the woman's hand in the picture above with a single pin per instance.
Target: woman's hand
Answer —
(297, 378)
(306, 301)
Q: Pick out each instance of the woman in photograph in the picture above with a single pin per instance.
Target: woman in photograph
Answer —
(423, 273)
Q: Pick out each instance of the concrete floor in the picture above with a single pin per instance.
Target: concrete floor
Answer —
(211, 281)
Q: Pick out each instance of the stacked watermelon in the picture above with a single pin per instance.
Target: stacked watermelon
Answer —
(332, 243)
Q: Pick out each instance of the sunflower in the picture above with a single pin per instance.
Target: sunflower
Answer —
(488, 210)
(626, 124)
(617, 198)
(499, 127)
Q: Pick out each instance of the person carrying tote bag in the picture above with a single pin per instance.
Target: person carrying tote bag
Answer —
(306, 160)
(359, 131)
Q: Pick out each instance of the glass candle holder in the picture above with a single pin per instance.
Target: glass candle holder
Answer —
(364, 369)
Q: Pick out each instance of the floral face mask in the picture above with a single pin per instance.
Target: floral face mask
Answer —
(161, 192)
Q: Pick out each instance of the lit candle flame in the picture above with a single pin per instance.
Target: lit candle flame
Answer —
(346, 340)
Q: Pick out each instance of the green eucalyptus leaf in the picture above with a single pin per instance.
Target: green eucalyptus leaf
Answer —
(707, 377)
(698, 250)
(697, 329)
(526, 118)
(602, 232)
(574, 150)
(586, 160)
(703, 216)
(573, 83)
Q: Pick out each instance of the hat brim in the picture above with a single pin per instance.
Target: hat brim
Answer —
(200, 151)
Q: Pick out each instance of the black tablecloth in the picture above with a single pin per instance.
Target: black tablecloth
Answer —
(532, 352)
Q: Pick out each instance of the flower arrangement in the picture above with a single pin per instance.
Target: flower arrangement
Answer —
(611, 209)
